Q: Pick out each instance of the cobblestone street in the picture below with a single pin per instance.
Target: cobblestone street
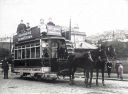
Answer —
(16, 85)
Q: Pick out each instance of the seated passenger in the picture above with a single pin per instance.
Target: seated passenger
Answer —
(42, 27)
(50, 22)
(45, 52)
(28, 26)
(21, 27)
(46, 55)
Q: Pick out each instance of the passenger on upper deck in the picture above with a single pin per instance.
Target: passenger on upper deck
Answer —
(42, 26)
(21, 27)
(50, 22)
(28, 26)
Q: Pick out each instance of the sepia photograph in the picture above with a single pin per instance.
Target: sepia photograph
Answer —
(63, 46)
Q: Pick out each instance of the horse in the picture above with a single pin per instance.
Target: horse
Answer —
(100, 57)
(95, 59)
(82, 61)
(100, 64)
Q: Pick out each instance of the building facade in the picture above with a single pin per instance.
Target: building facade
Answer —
(74, 35)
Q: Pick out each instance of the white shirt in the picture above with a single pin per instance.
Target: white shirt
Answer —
(120, 69)
(42, 28)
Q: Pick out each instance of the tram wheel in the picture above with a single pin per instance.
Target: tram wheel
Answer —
(22, 76)
(53, 79)
(37, 77)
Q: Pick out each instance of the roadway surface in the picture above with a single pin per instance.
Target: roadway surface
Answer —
(16, 85)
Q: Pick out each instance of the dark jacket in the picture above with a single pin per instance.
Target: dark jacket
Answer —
(21, 28)
(51, 23)
(109, 65)
(5, 65)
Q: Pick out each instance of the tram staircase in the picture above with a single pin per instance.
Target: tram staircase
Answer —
(61, 66)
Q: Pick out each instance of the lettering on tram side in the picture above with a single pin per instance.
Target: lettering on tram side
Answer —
(36, 69)
(24, 36)
(27, 69)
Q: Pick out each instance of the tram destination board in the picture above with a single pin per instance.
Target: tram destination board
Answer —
(31, 34)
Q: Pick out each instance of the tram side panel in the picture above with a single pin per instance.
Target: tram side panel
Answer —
(37, 64)
(30, 66)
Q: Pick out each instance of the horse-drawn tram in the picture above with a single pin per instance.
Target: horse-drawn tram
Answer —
(40, 54)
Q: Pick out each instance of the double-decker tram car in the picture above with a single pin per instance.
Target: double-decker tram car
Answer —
(40, 55)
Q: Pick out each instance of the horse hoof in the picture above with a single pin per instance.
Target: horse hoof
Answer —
(97, 84)
(71, 83)
(86, 86)
(90, 86)
(104, 85)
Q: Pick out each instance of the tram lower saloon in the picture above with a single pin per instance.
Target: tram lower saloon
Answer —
(54, 54)
(42, 58)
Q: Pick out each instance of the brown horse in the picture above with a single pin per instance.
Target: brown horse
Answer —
(100, 57)
(96, 59)
(82, 61)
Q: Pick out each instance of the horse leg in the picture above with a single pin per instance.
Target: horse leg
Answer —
(58, 77)
(74, 69)
(86, 77)
(91, 75)
(70, 75)
(103, 76)
(97, 74)
(63, 76)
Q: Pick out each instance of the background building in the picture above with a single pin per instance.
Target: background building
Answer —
(5, 46)
(75, 36)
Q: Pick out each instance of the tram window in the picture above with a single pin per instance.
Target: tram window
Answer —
(37, 52)
(37, 44)
(23, 53)
(15, 54)
(28, 45)
(54, 44)
(19, 54)
(23, 46)
(19, 46)
(32, 52)
(32, 44)
(16, 47)
(27, 53)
